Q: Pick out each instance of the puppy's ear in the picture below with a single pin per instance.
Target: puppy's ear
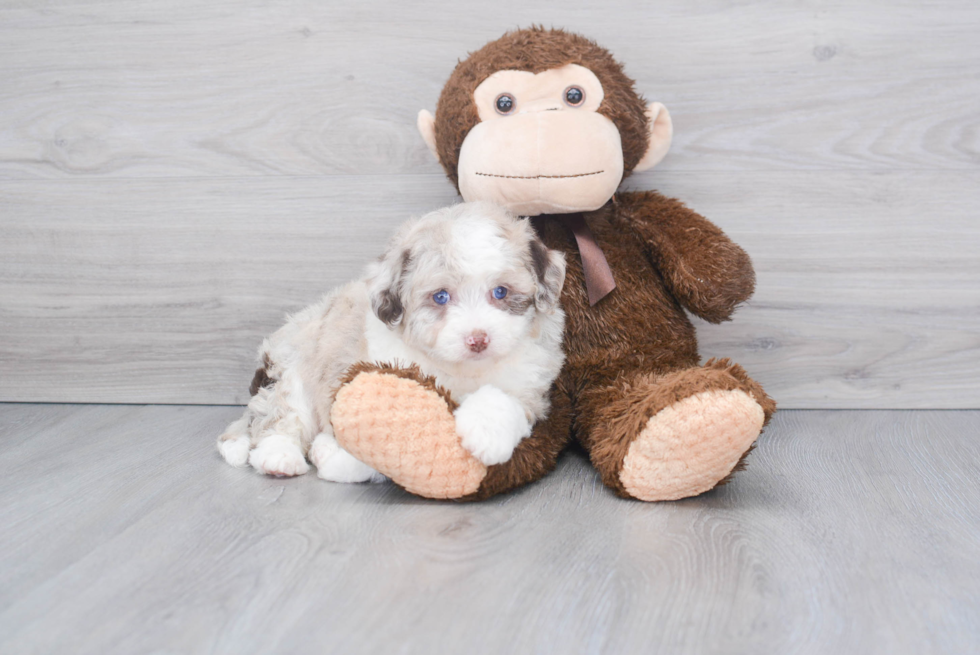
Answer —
(385, 285)
(548, 267)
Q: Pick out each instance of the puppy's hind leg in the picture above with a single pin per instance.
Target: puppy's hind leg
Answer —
(283, 430)
(235, 443)
(278, 455)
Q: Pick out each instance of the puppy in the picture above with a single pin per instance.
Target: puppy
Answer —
(469, 294)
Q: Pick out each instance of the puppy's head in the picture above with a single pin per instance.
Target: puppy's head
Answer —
(466, 283)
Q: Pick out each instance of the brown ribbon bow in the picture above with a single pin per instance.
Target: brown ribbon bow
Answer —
(598, 276)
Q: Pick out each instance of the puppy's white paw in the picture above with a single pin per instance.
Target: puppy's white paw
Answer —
(491, 424)
(235, 451)
(335, 464)
(278, 455)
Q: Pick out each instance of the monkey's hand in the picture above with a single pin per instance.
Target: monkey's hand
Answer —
(708, 273)
(401, 424)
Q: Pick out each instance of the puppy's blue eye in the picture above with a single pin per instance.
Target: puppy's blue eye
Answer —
(441, 297)
(500, 293)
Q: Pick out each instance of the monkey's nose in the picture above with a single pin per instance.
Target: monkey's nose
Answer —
(477, 341)
(537, 106)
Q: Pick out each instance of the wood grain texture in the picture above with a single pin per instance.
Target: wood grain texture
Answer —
(146, 89)
(124, 532)
(174, 177)
(153, 291)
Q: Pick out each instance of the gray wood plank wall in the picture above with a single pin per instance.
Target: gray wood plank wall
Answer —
(174, 177)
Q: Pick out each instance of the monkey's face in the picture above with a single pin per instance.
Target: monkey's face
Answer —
(541, 139)
(540, 146)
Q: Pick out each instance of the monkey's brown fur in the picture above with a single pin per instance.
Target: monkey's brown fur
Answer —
(635, 352)
(412, 372)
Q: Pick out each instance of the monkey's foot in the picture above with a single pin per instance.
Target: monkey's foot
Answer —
(674, 434)
(703, 422)
(688, 447)
(401, 424)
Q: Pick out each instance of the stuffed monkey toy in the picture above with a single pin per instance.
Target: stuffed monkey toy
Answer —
(546, 123)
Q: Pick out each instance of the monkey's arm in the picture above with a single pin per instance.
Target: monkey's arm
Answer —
(708, 273)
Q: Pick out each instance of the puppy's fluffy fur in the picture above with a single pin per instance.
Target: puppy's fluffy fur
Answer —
(497, 355)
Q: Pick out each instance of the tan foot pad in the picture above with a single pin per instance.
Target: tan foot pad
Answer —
(687, 448)
(406, 432)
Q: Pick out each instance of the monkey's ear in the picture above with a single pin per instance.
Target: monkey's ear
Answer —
(661, 132)
(427, 128)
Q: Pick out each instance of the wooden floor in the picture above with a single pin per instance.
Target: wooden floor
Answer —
(122, 531)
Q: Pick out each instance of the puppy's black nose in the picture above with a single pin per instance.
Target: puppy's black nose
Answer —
(477, 341)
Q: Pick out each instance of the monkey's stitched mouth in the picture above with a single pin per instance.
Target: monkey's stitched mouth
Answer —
(539, 177)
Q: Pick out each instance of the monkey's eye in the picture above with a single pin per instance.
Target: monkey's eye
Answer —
(441, 297)
(500, 293)
(504, 103)
(574, 96)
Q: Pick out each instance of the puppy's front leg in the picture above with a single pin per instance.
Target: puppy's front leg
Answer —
(335, 464)
(491, 424)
